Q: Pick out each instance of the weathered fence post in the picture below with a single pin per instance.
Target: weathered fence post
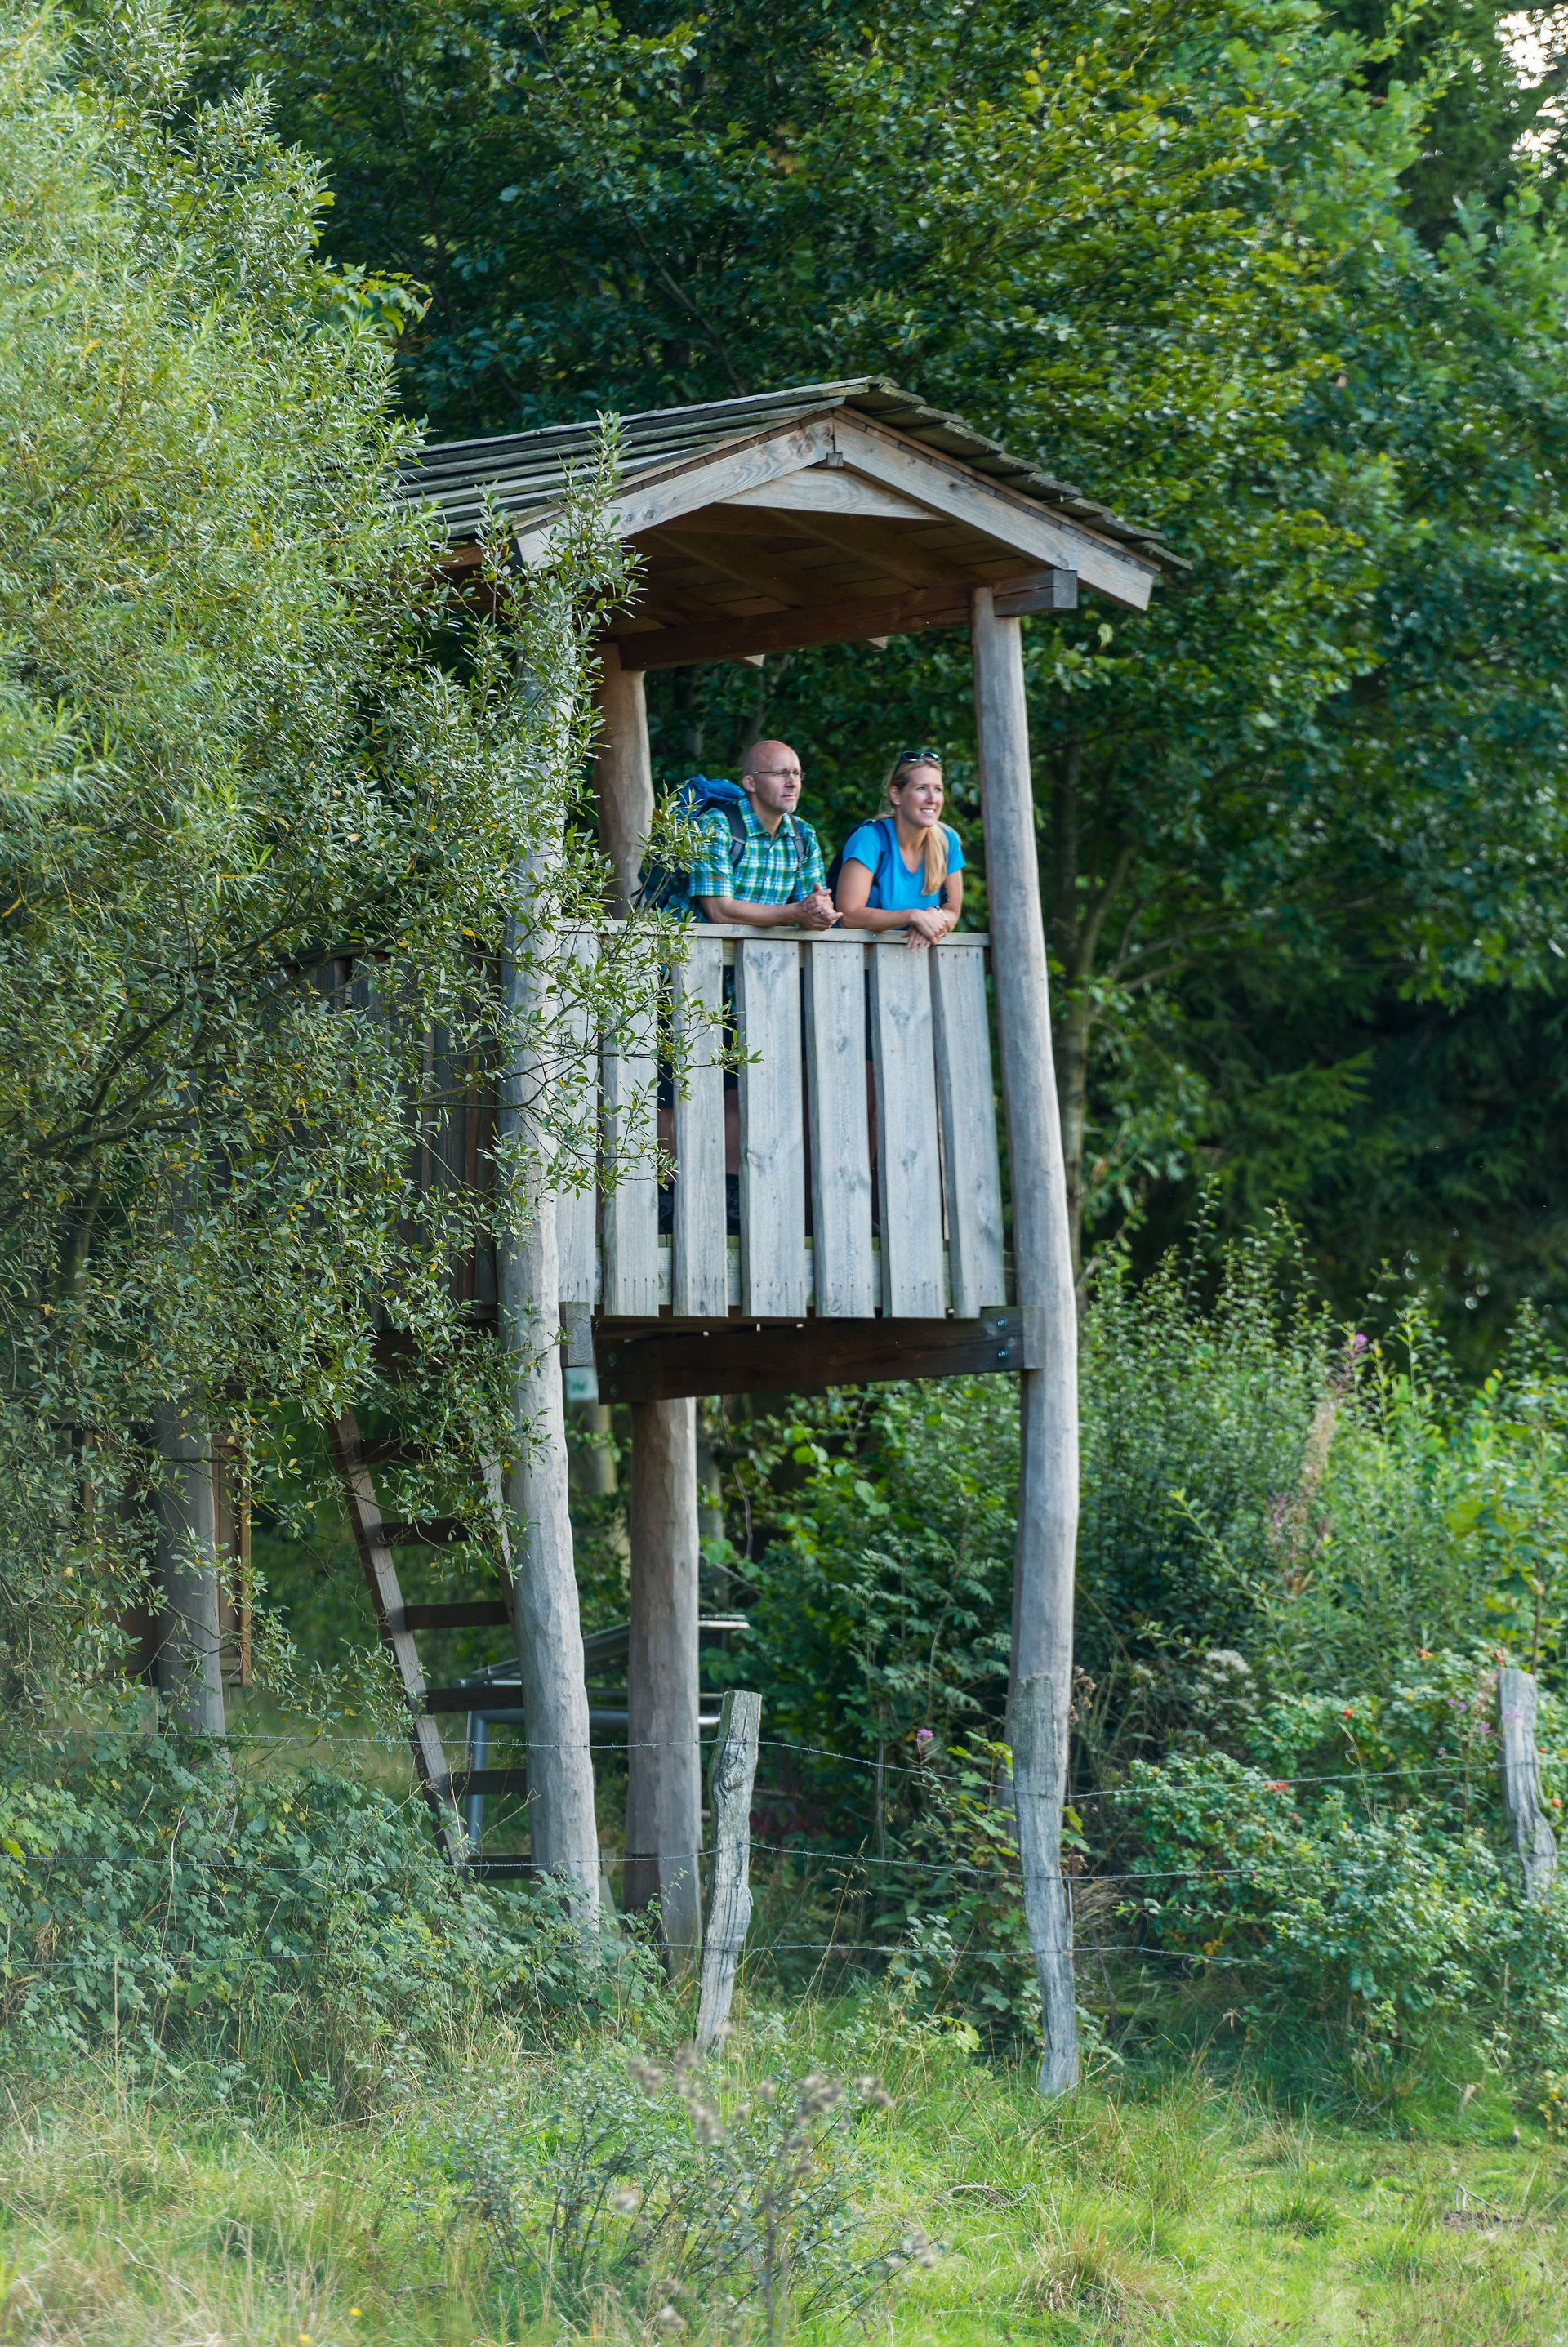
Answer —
(1042, 1254)
(1040, 1760)
(1533, 1836)
(732, 1774)
(190, 1658)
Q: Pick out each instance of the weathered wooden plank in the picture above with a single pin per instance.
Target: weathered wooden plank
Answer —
(657, 1363)
(704, 479)
(773, 1128)
(577, 1161)
(731, 1781)
(909, 1173)
(1533, 1839)
(1012, 520)
(629, 1212)
(966, 1104)
(702, 1265)
(842, 1265)
(823, 489)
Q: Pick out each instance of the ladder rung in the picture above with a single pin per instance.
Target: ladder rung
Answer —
(456, 1613)
(487, 1780)
(468, 1698)
(427, 1531)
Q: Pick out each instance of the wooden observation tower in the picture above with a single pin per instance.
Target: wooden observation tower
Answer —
(834, 513)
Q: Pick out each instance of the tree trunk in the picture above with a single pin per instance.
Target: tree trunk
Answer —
(190, 1658)
(1042, 1254)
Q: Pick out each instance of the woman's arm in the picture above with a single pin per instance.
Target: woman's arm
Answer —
(854, 880)
(923, 923)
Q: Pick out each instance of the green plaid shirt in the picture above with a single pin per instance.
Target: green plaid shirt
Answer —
(770, 872)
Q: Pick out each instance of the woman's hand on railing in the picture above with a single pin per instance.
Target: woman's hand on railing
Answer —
(928, 923)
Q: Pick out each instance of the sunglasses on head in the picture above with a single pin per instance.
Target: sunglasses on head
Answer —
(918, 758)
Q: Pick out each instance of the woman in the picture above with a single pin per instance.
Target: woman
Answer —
(904, 871)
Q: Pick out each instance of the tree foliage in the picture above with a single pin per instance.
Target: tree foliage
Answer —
(245, 735)
(1208, 261)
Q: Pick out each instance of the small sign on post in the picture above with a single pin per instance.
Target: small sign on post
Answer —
(733, 1774)
(1533, 1836)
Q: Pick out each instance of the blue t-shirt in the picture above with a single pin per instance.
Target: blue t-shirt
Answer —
(897, 890)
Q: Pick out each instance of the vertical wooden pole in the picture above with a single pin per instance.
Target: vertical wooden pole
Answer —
(1042, 1256)
(664, 1785)
(546, 1616)
(623, 773)
(1533, 1839)
(665, 1769)
(189, 1657)
(733, 1774)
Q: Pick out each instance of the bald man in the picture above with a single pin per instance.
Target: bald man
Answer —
(778, 881)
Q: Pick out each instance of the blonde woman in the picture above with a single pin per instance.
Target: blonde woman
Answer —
(906, 870)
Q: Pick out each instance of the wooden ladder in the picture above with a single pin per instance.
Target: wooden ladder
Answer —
(377, 1538)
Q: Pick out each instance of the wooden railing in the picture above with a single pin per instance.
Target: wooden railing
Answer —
(863, 1074)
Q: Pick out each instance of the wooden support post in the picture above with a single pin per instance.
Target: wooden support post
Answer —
(546, 1616)
(189, 1653)
(664, 1769)
(1040, 1764)
(1042, 1254)
(663, 1793)
(1533, 1836)
(729, 1783)
(623, 773)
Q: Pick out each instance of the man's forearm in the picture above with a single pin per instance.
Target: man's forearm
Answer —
(750, 917)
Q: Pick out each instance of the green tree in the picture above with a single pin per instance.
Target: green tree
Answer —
(245, 735)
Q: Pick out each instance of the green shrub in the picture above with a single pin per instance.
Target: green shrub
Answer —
(1396, 1929)
(729, 2213)
(296, 1931)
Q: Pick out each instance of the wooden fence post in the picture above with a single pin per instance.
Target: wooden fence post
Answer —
(730, 1780)
(1042, 1256)
(1533, 1836)
(1039, 1757)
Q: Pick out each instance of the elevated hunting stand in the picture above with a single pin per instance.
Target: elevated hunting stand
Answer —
(835, 513)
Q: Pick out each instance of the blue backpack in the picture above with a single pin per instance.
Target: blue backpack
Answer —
(667, 887)
(885, 834)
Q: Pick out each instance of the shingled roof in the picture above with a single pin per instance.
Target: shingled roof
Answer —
(523, 474)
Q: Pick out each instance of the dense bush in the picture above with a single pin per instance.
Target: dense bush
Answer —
(295, 1930)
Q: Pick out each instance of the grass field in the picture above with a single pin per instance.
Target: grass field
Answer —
(1162, 2209)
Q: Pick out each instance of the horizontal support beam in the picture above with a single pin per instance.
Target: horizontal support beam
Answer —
(854, 619)
(663, 1362)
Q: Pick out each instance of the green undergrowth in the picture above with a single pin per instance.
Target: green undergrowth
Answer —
(1155, 2206)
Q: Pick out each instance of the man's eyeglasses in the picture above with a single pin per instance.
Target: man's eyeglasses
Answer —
(918, 758)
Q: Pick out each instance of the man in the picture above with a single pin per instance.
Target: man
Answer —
(779, 881)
